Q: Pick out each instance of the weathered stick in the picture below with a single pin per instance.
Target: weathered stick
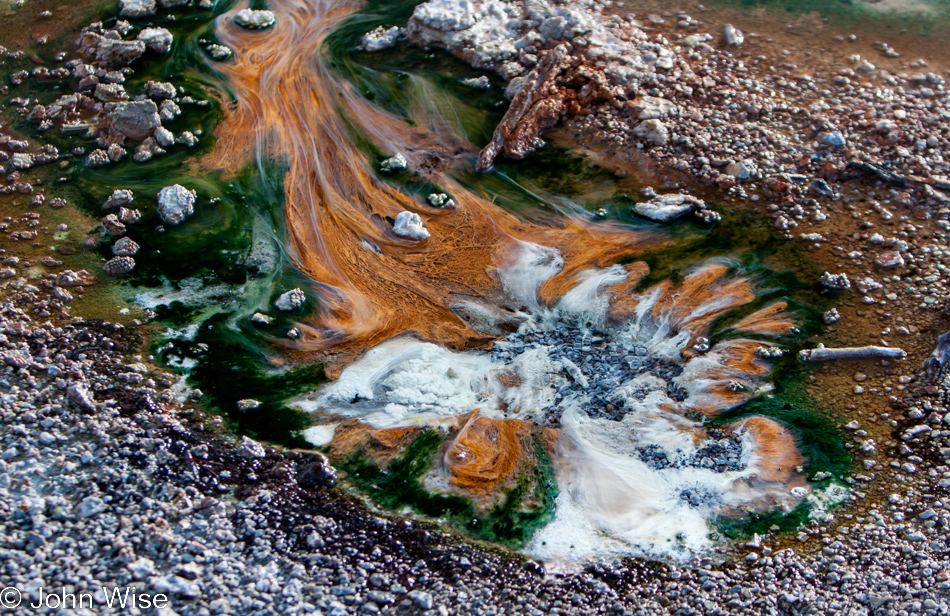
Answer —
(865, 352)
(535, 85)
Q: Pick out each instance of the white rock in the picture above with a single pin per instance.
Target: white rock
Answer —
(255, 20)
(653, 131)
(158, 40)
(409, 225)
(136, 8)
(667, 208)
(380, 38)
(652, 107)
(261, 318)
(291, 300)
(175, 203)
(839, 282)
(249, 448)
(394, 163)
(160, 89)
(164, 137)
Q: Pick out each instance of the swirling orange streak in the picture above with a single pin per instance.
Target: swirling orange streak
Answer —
(292, 106)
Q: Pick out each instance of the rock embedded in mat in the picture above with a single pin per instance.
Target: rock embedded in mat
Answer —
(291, 300)
(136, 8)
(248, 404)
(667, 208)
(157, 40)
(380, 38)
(119, 265)
(175, 203)
(160, 90)
(394, 164)
(125, 247)
(440, 200)
(219, 52)
(134, 119)
(261, 318)
(410, 226)
(255, 20)
(118, 198)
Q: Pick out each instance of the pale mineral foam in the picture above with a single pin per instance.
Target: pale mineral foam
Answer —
(610, 502)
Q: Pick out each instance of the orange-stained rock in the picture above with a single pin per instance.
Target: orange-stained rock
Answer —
(771, 320)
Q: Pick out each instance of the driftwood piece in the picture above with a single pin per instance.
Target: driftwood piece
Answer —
(538, 85)
(937, 364)
(866, 352)
(896, 179)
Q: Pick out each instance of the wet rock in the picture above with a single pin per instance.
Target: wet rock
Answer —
(175, 203)
(708, 217)
(653, 131)
(380, 38)
(478, 83)
(255, 20)
(112, 225)
(135, 119)
(410, 226)
(136, 8)
(110, 93)
(248, 404)
(160, 90)
(667, 208)
(261, 319)
(119, 265)
(157, 40)
(112, 52)
(98, 158)
(291, 300)
(164, 137)
(837, 282)
(394, 164)
(187, 139)
(170, 4)
(128, 216)
(440, 200)
(168, 110)
(317, 473)
(249, 448)
(219, 52)
(125, 247)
